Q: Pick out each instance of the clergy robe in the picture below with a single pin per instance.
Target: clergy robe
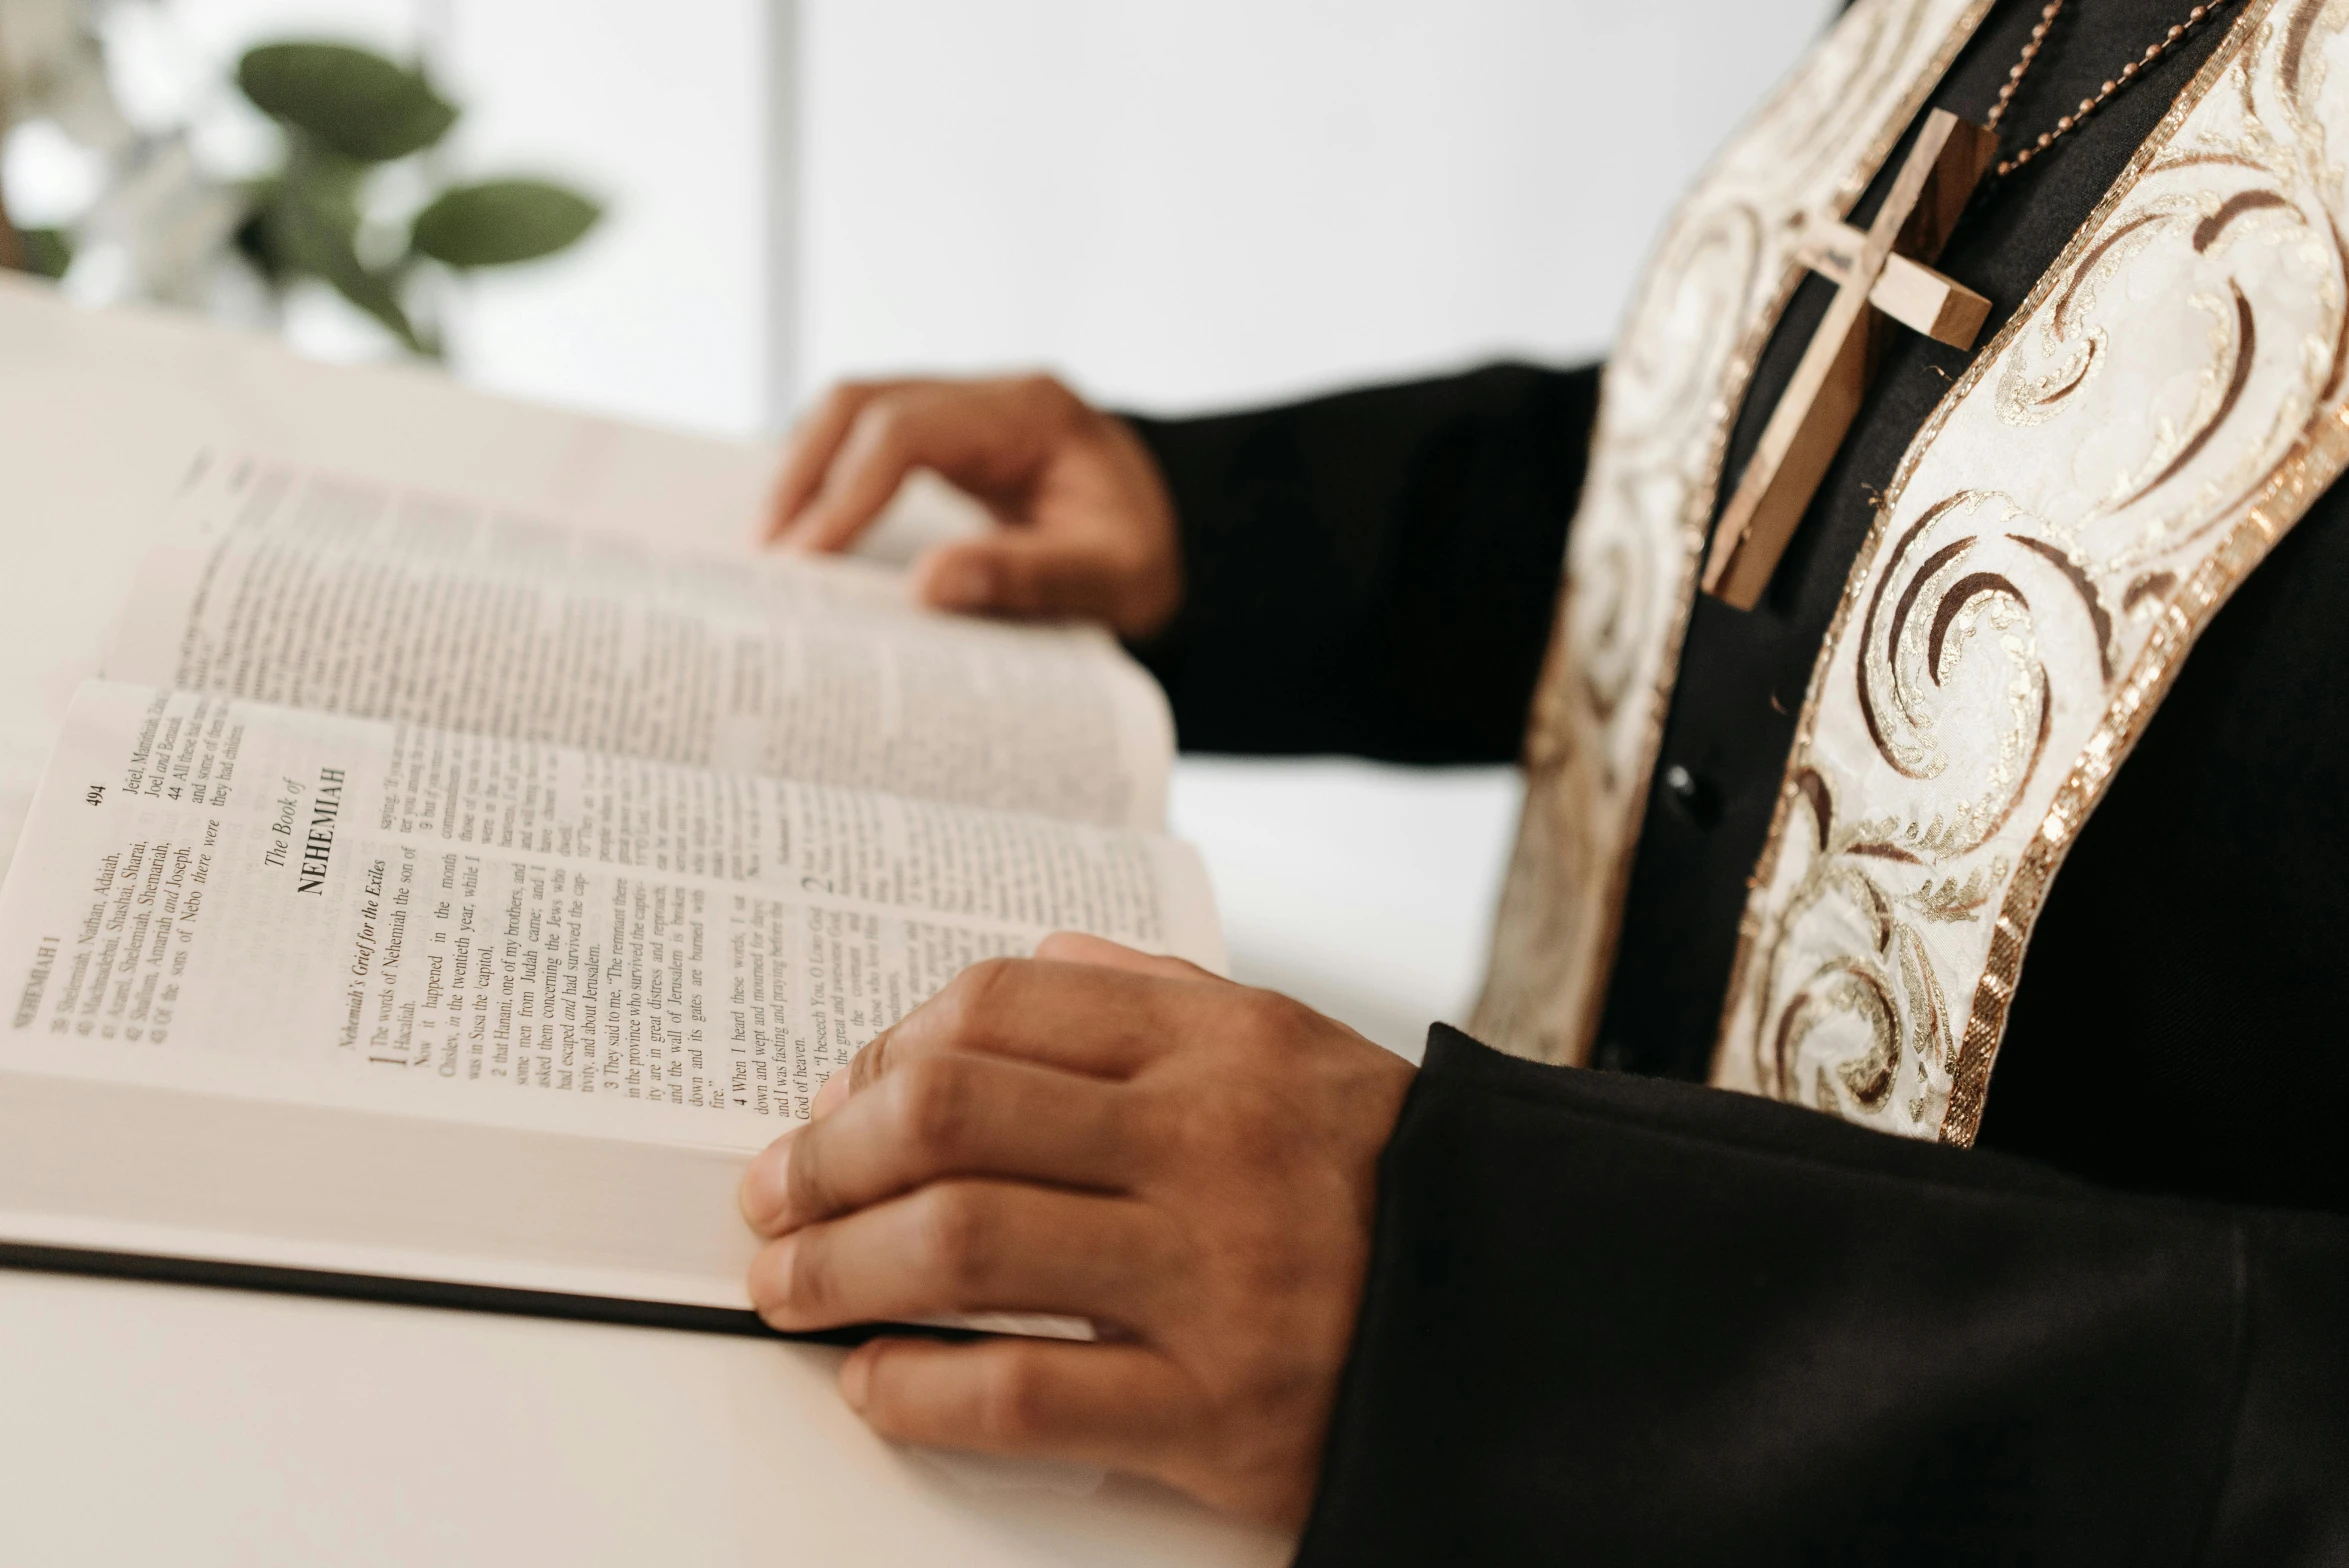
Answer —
(1619, 1316)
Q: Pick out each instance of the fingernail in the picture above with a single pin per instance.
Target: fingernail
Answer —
(856, 1378)
(770, 1275)
(963, 584)
(766, 1184)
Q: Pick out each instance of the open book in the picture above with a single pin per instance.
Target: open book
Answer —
(442, 904)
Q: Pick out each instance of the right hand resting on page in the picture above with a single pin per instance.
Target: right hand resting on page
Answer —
(1097, 1133)
(1086, 526)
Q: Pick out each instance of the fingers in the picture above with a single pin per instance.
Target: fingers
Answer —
(970, 1246)
(1017, 572)
(1080, 1017)
(1097, 538)
(987, 436)
(1115, 1405)
(807, 455)
(944, 1116)
(832, 1093)
(1104, 1025)
(887, 439)
(1081, 947)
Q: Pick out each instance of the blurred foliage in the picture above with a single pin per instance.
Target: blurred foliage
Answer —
(47, 252)
(501, 221)
(358, 104)
(346, 114)
(360, 199)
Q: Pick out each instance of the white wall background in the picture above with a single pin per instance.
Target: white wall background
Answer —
(1183, 204)
(661, 109)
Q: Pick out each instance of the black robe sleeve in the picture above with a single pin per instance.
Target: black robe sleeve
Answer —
(1616, 1320)
(1372, 572)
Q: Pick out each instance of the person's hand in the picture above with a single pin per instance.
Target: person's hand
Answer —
(1189, 1163)
(1086, 526)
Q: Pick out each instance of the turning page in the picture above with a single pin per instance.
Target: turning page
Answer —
(310, 591)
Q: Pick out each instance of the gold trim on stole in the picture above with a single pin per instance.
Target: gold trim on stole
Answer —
(1715, 288)
(2167, 403)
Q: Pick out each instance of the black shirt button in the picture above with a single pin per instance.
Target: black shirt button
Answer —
(1695, 799)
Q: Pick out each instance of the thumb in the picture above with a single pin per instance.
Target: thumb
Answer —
(1018, 571)
(1082, 947)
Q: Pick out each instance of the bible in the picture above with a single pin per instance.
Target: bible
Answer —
(438, 904)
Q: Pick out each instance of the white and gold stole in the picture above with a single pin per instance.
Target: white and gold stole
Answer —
(2168, 401)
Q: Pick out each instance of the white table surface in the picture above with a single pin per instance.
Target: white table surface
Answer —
(154, 1424)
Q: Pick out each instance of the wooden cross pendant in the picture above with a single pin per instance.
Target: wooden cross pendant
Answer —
(1882, 273)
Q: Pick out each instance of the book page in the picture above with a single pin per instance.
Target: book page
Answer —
(228, 897)
(311, 591)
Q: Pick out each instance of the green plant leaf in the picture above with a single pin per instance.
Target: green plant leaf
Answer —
(305, 235)
(324, 181)
(352, 100)
(47, 252)
(502, 221)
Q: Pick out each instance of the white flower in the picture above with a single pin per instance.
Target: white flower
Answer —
(159, 232)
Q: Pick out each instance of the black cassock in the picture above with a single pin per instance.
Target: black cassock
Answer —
(1618, 1317)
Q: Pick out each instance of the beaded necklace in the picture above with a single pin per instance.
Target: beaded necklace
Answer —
(2088, 106)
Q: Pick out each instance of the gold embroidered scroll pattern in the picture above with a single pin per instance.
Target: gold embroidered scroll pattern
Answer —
(1720, 277)
(2165, 405)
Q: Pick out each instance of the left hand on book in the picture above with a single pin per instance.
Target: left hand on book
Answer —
(1187, 1162)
